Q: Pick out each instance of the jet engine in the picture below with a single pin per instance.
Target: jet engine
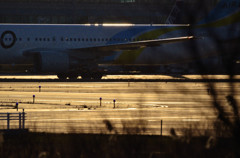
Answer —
(65, 66)
(52, 62)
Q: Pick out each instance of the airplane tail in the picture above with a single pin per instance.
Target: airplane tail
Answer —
(175, 12)
(223, 9)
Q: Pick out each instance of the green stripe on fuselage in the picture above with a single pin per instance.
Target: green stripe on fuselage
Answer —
(129, 57)
(235, 18)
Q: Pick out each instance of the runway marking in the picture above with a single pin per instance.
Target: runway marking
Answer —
(191, 120)
(151, 119)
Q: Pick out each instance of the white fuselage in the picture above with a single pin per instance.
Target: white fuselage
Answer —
(33, 37)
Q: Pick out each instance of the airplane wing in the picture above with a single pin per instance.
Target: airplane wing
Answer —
(135, 45)
(117, 47)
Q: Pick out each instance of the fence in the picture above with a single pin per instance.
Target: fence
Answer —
(21, 116)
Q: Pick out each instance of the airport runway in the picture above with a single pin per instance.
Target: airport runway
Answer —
(74, 107)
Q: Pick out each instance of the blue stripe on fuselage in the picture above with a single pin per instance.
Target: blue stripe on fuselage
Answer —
(131, 33)
(222, 9)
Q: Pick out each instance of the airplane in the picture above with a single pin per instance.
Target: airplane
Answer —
(72, 50)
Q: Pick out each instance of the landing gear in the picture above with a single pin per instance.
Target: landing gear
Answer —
(98, 76)
(73, 77)
(85, 76)
(63, 76)
(95, 76)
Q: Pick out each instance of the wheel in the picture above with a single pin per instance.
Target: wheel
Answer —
(62, 76)
(96, 76)
(86, 76)
(73, 76)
